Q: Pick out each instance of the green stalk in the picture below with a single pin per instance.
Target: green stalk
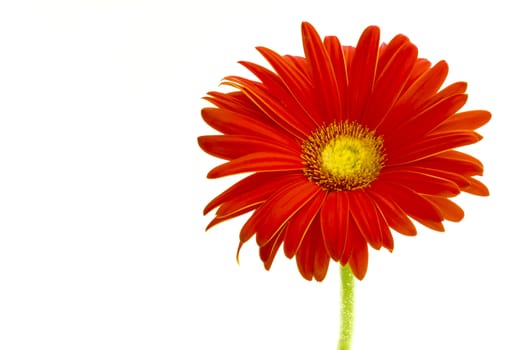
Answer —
(346, 324)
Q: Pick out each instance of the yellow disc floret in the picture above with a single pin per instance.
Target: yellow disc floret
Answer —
(343, 156)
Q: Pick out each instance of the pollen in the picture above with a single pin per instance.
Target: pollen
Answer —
(343, 157)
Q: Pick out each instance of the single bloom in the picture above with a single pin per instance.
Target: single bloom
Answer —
(342, 146)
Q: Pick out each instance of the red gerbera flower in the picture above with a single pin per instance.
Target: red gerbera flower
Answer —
(344, 144)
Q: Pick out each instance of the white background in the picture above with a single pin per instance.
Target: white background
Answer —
(102, 242)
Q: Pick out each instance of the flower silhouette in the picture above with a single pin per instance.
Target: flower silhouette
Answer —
(343, 145)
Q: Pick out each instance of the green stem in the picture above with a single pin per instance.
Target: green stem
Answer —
(346, 309)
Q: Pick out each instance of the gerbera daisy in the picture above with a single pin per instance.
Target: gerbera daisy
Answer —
(344, 145)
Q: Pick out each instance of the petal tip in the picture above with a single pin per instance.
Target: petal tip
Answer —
(238, 252)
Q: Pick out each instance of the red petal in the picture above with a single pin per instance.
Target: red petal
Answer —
(255, 195)
(414, 98)
(389, 84)
(432, 145)
(288, 71)
(429, 118)
(452, 161)
(276, 87)
(305, 256)
(234, 146)
(349, 244)
(448, 209)
(324, 78)
(241, 211)
(339, 63)
(281, 207)
(299, 224)
(457, 179)
(476, 187)
(268, 251)
(421, 66)
(382, 226)
(393, 214)
(321, 257)
(257, 162)
(301, 65)
(386, 236)
(425, 86)
(236, 123)
(348, 53)
(291, 73)
(243, 186)
(277, 210)
(364, 215)
(235, 101)
(387, 51)
(469, 120)
(412, 203)
(334, 223)
(359, 260)
(452, 89)
(420, 182)
(268, 104)
(361, 76)
(312, 258)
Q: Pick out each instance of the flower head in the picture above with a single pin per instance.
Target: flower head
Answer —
(344, 145)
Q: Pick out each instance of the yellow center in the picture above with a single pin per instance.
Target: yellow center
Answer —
(342, 157)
